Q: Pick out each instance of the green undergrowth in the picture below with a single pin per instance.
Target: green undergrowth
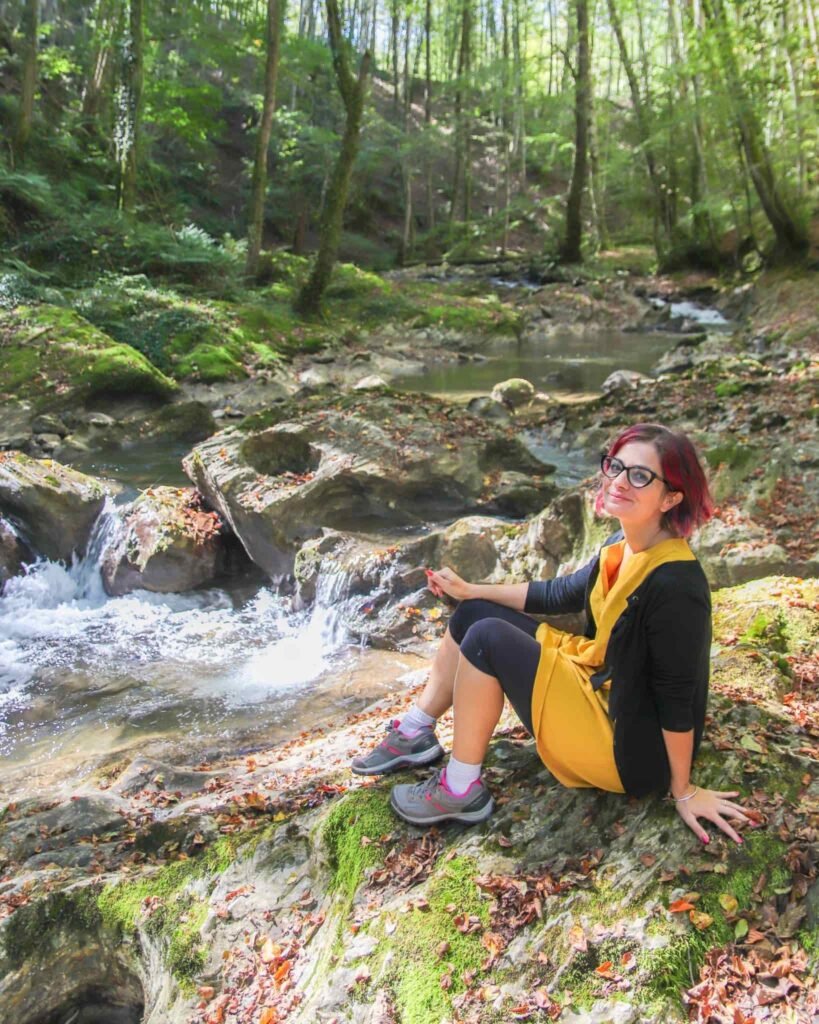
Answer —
(427, 946)
(194, 331)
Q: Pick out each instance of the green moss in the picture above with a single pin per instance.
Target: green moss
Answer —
(187, 954)
(479, 316)
(177, 913)
(730, 388)
(50, 350)
(121, 904)
(210, 363)
(733, 455)
(671, 969)
(27, 932)
(580, 977)
(362, 815)
(416, 968)
(122, 370)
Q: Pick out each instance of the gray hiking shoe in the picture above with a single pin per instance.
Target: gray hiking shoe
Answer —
(398, 751)
(430, 802)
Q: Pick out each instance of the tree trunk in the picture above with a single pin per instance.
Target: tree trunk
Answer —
(791, 241)
(570, 251)
(101, 62)
(259, 182)
(506, 126)
(428, 113)
(129, 107)
(352, 91)
(661, 220)
(458, 185)
(394, 24)
(520, 98)
(597, 189)
(28, 83)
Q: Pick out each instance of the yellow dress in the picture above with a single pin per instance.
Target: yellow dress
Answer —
(573, 732)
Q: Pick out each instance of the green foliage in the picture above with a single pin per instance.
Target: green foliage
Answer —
(768, 631)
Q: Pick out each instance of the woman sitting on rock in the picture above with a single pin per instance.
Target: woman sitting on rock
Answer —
(620, 708)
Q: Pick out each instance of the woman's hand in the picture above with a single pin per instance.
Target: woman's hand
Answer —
(446, 581)
(715, 806)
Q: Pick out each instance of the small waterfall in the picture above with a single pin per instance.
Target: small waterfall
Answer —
(87, 571)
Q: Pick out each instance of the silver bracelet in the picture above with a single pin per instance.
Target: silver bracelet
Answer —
(682, 799)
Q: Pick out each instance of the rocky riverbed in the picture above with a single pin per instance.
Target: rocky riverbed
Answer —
(273, 886)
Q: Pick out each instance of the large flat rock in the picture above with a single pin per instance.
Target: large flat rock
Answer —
(375, 461)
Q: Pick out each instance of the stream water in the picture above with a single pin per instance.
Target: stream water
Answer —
(564, 364)
(85, 677)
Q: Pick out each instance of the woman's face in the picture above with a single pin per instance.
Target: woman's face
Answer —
(638, 506)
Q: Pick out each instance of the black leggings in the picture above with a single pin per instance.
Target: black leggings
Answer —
(500, 642)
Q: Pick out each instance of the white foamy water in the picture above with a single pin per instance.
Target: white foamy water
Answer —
(691, 311)
(74, 661)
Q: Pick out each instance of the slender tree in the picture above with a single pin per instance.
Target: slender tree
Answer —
(662, 225)
(259, 184)
(460, 179)
(570, 250)
(791, 240)
(28, 84)
(129, 107)
(99, 69)
(428, 112)
(353, 90)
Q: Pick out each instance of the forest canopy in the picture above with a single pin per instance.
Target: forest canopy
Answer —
(486, 126)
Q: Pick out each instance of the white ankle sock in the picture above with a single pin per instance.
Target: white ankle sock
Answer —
(460, 775)
(414, 720)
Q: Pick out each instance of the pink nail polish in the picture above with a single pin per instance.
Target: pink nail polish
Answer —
(705, 839)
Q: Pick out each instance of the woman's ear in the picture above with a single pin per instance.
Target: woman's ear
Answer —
(671, 499)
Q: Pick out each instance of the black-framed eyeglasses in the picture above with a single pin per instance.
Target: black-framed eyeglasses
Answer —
(637, 476)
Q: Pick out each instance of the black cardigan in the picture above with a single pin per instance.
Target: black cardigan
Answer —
(658, 661)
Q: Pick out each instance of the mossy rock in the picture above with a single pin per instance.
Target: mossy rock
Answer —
(52, 356)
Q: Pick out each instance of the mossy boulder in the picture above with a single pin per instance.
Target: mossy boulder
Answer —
(382, 461)
(52, 356)
(55, 507)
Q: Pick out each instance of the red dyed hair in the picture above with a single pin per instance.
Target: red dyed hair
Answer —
(680, 467)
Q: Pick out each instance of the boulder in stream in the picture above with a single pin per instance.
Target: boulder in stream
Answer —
(169, 544)
(379, 584)
(14, 554)
(621, 380)
(514, 393)
(54, 506)
(369, 460)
